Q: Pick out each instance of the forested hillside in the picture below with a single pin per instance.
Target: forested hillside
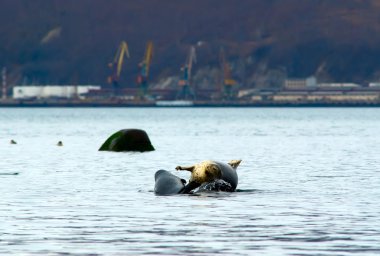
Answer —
(71, 41)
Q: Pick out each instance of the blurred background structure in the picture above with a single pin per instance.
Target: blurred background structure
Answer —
(263, 44)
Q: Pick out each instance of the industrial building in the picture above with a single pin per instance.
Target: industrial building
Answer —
(52, 91)
(297, 83)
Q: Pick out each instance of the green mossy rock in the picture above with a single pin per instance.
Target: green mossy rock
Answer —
(128, 140)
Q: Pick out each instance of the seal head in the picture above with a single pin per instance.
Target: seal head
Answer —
(168, 184)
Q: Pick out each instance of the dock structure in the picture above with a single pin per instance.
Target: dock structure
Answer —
(263, 98)
(350, 95)
(333, 94)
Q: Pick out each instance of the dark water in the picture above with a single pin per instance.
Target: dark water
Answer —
(309, 183)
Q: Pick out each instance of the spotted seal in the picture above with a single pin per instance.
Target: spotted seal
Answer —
(212, 171)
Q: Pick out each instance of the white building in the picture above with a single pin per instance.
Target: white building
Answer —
(338, 85)
(52, 91)
(300, 83)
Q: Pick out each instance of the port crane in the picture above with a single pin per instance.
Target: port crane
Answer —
(144, 67)
(227, 81)
(117, 64)
(185, 82)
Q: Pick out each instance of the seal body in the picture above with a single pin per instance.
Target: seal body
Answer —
(213, 172)
(128, 140)
(168, 184)
(217, 185)
(228, 173)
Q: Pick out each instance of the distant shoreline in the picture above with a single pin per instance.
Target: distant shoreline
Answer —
(196, 104)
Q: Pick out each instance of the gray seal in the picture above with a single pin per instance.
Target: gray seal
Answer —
(168, 184)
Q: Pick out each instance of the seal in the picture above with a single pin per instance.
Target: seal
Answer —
(168, 184)
(13, 142)
(128, 140)
(212, 172)
(59, 144)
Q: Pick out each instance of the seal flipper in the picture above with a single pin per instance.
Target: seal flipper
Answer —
(234, 163)
(189, 187)
(189, 168)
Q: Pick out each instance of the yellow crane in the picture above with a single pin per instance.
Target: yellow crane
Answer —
(184, 83)
(227, 81)
(117, 64)
(148, 56)
(142, 78)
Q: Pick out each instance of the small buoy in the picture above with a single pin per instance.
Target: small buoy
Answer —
(13, 142)
(59, 144)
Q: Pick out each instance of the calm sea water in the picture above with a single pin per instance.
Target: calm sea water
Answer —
(309, 183)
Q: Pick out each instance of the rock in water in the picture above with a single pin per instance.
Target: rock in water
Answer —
(128, 140)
